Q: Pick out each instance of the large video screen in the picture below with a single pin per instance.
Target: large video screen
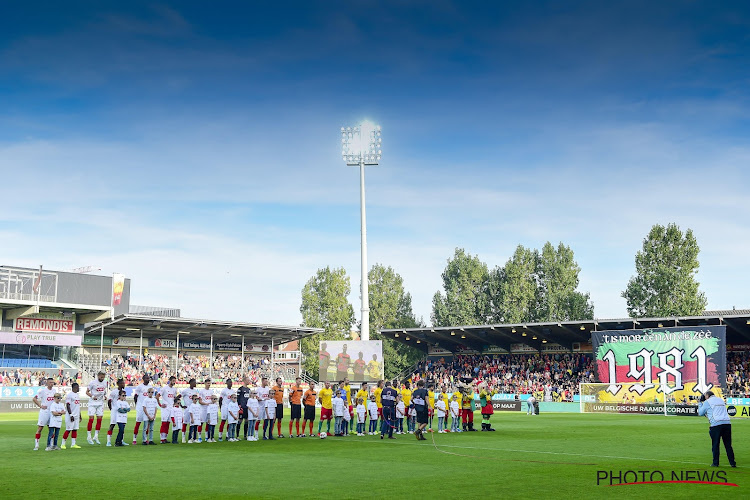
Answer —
(680, 363)
(357, 360)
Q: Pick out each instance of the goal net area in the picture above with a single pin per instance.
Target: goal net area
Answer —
(645, 399)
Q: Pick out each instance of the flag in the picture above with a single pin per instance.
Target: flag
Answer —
(38, 280)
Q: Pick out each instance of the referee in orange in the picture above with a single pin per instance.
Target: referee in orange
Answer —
(295, 401)
(278, 394)
(309, 401)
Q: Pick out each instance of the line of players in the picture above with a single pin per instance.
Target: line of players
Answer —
(243, 411)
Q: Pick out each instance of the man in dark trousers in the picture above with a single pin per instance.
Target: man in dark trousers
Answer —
(720, 428)
(388, 399)
(419, 399)
(243, 394)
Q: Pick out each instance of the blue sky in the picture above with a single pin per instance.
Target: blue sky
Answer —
(195, 149)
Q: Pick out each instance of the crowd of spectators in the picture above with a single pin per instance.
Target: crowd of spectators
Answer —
(508, 373)
(161, 366)
(548, 373)
(551, 374)
(738, 382)
(30, 378)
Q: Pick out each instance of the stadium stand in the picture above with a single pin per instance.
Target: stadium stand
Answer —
(161, 366)
(549, 373)
(26, 363)
(512, 373)
(27, 378)
(738, 382)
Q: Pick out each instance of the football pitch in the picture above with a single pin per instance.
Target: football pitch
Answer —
(549, 455)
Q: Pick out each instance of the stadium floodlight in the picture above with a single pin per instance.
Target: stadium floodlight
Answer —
(360, 146)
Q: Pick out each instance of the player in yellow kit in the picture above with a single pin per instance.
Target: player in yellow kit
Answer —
(325, 396)
(430, 403)
(348, 403)
(363, 393)
(444, 397)
(406, 398)
(374, 368)
(459, 397)
(406, 393)
(377, 392)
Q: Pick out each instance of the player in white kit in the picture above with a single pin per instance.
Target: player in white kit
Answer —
(204, 399)
(139, 395)
(187, 401)
(72, 416)
(262, 393)
(43, 398)
(165, 398)
(114, 397)
(97, 393)
(224, 400)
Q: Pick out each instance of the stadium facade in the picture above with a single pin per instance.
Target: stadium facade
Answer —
(58, 320)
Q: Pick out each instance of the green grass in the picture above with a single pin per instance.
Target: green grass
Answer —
(556, 455)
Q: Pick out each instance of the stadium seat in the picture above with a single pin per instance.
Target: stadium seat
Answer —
(34, 363)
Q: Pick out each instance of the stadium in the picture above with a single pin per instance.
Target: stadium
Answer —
(88, 325)
(385, 249)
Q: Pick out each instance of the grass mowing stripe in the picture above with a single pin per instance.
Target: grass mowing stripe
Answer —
(583, 455)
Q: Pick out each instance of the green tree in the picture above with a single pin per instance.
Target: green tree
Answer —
(465, 302)
(538, 286)
(665, 284)
(558, 280)
(513, 289)
(325, 304)
(390, 307)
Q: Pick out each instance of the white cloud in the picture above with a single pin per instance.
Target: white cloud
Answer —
(116, 204)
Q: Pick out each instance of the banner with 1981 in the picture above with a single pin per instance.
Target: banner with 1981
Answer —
(673, 364)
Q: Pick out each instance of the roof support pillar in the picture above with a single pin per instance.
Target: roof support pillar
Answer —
(101, 349)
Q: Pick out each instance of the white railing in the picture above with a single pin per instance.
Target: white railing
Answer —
(18, 284)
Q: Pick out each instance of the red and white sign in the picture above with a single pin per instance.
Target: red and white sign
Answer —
(164, 343)
(31, 338)
(521, 348)
(45, 325)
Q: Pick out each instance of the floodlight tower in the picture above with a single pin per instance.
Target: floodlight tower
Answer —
(360, 146)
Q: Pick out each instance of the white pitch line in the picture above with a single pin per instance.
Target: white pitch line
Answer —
(534, 451)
